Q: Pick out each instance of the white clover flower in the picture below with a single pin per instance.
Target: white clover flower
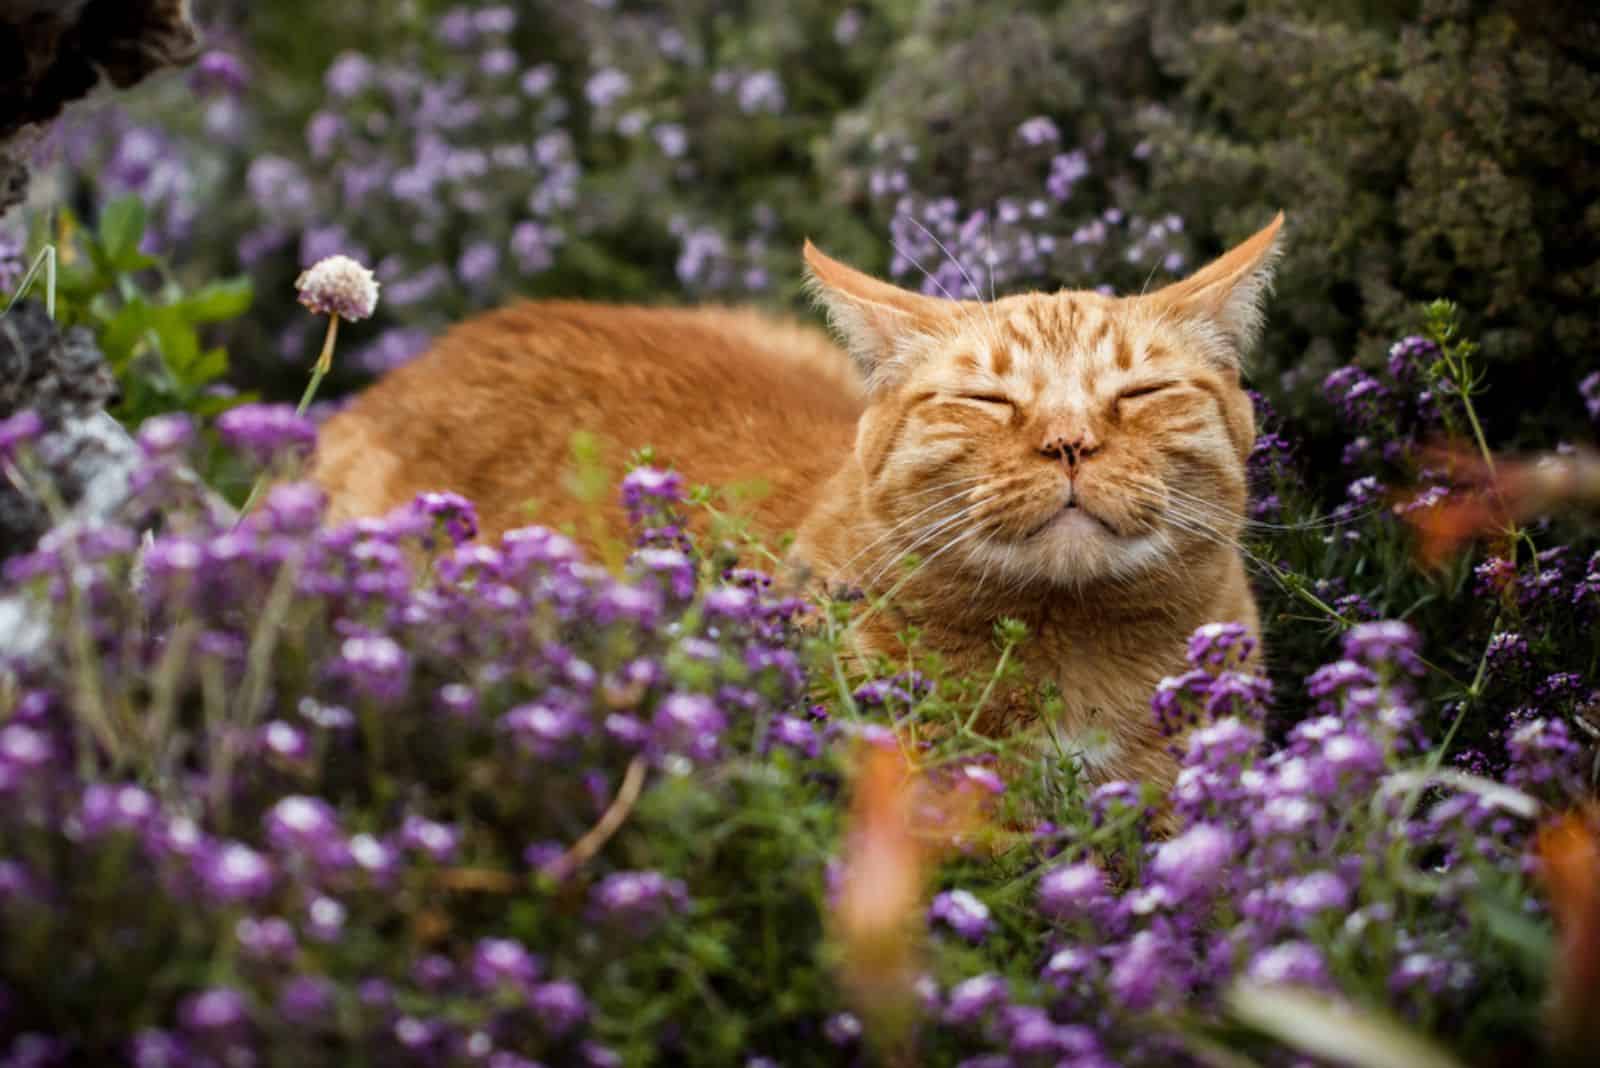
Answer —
(338, 285)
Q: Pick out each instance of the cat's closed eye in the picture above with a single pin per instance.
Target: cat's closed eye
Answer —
(1145, 390)
(996, 400)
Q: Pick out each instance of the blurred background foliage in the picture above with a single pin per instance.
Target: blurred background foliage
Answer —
(682, 149)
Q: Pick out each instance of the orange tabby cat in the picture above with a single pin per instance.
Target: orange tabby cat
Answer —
(1073, 460)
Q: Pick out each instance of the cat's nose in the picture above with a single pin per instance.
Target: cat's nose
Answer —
(1070, 447)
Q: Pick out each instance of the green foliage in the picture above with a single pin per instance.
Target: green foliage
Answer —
(153, 331)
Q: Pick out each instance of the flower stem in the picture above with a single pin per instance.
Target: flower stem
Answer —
(318, 370)
(323, 365)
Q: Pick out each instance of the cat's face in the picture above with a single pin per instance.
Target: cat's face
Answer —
(1071, 438)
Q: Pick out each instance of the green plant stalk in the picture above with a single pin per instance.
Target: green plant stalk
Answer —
(988, 689)
(96, 710)
(318, 371)
(45, 261)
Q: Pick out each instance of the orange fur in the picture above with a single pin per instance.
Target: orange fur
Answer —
(723, 395)
(1069, 459)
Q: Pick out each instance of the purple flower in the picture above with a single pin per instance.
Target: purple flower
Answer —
(1507, 652)
(1410, 357)
(689, 723)
(20, 429)
(973, 999)
(115, 808)
(33, 1050)
(266, 430)
(416, 1035)
(761, 91)
(306, 1000)
(1068, 965)
(638, 898)
(233, 872)
(325, 919)
(963, 913)
(1309, 895)
(1143, 971)
(1292, 963)
(605, 87)
(217, 69)
(435, 971)
(16, 884)
(211, 1012)
(797, 734)
(285, 741)
(647, 491)
(1190, 863)
(1234, 693)
(1177, 701)
(498, 962)
(451, 511)
(1074, 891)
(1353, 751)
(373, 856)
(268, 938)
(1219, 646)
(1361, 399)
(1066, 171)
(1384, 643)
(349, 74)
(154, 1048)
(375, 665)
(1545, 761)
(559, 1005)
(1339, 676)
(301, 824)
(841, 1029)
(1589, 389)
(438, 841)
(165, 435)
(545, 727)
(1038, 130)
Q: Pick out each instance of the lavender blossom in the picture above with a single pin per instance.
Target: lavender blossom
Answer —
(963, 913)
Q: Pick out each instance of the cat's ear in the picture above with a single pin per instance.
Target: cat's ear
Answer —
(881, 324)
(1224, 298)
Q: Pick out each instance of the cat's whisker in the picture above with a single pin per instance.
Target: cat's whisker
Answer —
(988, 309)
(1319, 523)
(920, 566)
(965, 483)
(966, 312)
(1198, 526)
(923, 538)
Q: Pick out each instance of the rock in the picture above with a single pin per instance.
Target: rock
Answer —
(84, 452)
(86, 455)
(56, 51)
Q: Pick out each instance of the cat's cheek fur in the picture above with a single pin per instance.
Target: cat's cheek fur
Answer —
(875, 435)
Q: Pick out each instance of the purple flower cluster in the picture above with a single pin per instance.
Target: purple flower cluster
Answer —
(1264, 875)
(338, 725)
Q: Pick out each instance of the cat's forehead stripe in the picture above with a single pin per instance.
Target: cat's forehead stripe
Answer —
(1041, 338)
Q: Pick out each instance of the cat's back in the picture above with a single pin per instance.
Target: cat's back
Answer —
(724, 395)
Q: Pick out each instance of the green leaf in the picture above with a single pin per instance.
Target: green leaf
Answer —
(1522, 933)
(219, 301)
(180, 345)
(124, 333)
(210, 404)
(212, 365)
(1341, 1033)
(121, 229)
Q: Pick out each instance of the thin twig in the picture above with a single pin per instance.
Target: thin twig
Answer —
(610, 821)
